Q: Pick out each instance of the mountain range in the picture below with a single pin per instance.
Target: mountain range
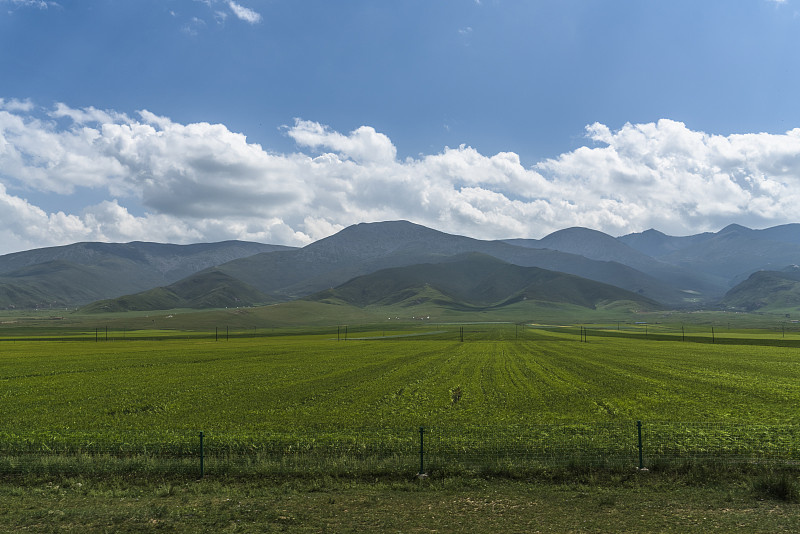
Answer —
(648, 268)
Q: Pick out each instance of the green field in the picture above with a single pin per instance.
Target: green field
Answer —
(502, 379)
(394, 378)
(306, 431)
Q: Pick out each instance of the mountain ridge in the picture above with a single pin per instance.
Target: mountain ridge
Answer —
(687, 271)
(367, 247)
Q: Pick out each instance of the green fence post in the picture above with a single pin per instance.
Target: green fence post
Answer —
(639, 431)
(202, 457)
(421, 452)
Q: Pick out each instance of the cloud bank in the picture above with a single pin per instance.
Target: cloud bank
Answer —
(165, 181)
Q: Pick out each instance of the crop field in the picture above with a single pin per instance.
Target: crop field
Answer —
(534, 391)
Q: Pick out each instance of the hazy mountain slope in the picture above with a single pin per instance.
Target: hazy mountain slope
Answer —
(589, 243)
(657, 244)
(729, 255)
(734, 252)
(52, 284)
(603, 247)
(475, 280)
(785, 233)
(84, 272)
(365, 248)
(172, 261)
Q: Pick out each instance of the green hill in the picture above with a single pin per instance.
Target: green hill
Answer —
(766, 289)
(212, 289)
(475, 281)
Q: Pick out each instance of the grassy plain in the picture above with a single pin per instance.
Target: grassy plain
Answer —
(249, 382)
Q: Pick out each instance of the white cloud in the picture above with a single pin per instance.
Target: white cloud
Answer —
(202, 182)
(16, 105)
(245, 14)
(706, 181)
(218, 12)
(86, 115)
(25, 226)
(362, 145)
(39, 4)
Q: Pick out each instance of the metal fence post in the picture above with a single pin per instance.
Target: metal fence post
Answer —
(202, 457)
(639, 431)
(421, 451)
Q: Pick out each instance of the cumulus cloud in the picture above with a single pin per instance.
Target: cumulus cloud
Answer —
(362, 145)
(167, 181)
(667, 176)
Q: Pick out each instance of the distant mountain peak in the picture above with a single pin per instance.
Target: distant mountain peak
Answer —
(374, 230)
(734, 228)
(652, 232)
(576, 230)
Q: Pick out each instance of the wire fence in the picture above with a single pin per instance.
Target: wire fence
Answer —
(419, 450)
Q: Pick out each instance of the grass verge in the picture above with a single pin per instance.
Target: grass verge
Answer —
(562, 500)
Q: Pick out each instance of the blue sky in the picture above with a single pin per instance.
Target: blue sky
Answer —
(285, 121)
